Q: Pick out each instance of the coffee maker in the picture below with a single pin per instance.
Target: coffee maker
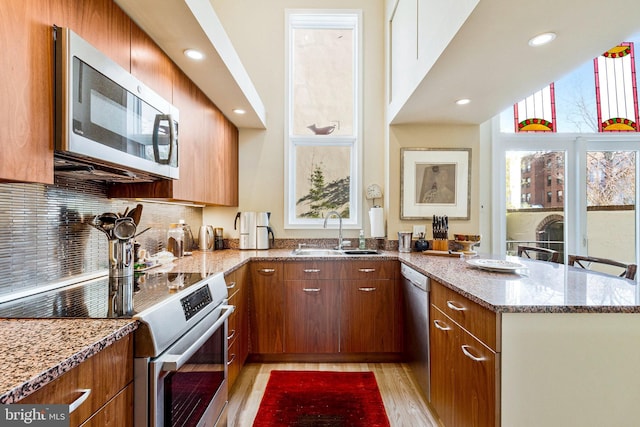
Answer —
(254, 230)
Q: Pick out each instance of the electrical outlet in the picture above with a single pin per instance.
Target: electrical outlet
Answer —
(417, 230)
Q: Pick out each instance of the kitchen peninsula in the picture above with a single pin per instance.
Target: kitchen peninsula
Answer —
(566, 342)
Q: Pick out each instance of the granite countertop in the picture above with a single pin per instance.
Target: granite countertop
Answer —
(37, 351)
(540, 287)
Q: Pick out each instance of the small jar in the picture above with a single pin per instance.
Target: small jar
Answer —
(175, 240)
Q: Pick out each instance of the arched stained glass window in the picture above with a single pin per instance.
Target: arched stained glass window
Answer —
(537, 112)
(616, 92)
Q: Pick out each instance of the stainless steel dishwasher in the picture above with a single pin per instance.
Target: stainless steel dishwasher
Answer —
(416, 288)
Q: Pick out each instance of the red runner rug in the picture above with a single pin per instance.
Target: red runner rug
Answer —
(321, 399)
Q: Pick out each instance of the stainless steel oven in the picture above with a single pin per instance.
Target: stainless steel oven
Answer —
(180, 365)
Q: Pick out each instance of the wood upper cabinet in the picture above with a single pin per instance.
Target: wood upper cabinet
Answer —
(266, 305)
(464, 370)
(208, 154)
(221, 164)
(26, 87)
(311, 300)
(150, 64)
(108, 377)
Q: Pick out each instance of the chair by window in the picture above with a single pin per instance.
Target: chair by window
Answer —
(628, 270)
(535, 252)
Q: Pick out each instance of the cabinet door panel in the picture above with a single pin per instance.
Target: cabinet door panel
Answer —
(443, 365)
(266, 303)
(368, 319)
(150, 64)
(310, 322)
(476, 383)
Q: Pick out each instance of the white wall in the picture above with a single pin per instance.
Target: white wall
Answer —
(257, 31)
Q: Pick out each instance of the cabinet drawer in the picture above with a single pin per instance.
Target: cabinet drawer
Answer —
(309, 270)
(367, 269)
(104, 374)
(234, 360)
(117, 413)
(265, 270)
(479, 321)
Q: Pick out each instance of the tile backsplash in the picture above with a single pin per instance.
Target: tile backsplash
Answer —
(46, 236)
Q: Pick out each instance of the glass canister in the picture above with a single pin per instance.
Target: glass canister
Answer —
(218, 239)
(175, 240)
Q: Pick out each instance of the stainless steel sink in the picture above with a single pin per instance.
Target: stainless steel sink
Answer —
(316, 252)
(332, 252)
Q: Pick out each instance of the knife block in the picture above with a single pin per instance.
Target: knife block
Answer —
(440, 245)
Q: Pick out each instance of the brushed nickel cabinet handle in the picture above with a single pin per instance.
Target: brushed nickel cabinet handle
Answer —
(80, 400)
(231, 285)
(233, 334)
(367, 270)
(465, 350)
(233, 357)
(267, 270)
(311, 289)
(312, 270)
(454, 306)
(441, 325)
(367, 289)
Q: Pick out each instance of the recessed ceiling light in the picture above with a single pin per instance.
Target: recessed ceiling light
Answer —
(239, 111)
(463, 101)
(541, 39)
(194, 54)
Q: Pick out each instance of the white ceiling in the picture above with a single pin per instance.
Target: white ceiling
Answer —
(488, 61)
(176, 25)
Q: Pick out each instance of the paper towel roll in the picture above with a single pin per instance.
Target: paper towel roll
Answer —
(376, 218)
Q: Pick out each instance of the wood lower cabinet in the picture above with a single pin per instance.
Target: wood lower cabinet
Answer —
(370, 307)
(266, 308)
(312, 301)
(464, 370)
(368, 316)
(108, 375)
(238, 324)
(339, 309)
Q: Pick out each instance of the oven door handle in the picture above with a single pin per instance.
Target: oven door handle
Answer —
(173, 362)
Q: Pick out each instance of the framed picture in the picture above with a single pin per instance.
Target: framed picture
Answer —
(435, 181)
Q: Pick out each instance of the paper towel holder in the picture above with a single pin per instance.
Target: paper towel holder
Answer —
(374, 192)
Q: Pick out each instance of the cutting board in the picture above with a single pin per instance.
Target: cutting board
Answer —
(443, 253)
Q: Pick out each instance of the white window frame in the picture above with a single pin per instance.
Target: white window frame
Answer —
(316, 18)
(575, 147)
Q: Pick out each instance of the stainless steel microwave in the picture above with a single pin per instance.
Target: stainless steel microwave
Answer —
(106, 118)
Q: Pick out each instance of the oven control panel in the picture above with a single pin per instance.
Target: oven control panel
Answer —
(196, 301)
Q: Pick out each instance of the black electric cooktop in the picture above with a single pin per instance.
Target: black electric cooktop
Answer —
(101, 298)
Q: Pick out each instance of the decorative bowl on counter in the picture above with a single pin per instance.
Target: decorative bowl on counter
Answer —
(468, 241)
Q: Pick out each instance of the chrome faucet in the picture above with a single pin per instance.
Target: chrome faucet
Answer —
(329, 214)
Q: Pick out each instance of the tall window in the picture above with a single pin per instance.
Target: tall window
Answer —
(322, 128)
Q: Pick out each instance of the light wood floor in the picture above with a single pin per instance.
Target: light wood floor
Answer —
(403, 402)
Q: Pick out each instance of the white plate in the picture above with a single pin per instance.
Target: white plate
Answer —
(495, 265)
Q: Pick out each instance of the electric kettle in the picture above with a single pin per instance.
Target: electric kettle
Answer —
(206, 238)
